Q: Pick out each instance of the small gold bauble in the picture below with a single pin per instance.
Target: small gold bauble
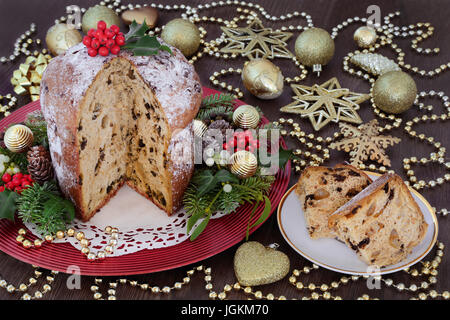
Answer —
(365, 36)
(263, 79)
(61, 37)
(18, 138)
(246, 117)
(394, 92)
(314, 46)
(150, 15)
(256, 265)
(199, 128)
(98, 13)
(243, 164)
(183, 35)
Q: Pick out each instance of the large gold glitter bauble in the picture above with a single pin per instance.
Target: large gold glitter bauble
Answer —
(243, 164)
(99, 13)
(183, 35)
(246, 117)
(263, 79)
(365, 36)
(61, 37)
(394, 92)
(18, 138)
(314, 48)
(256, 265)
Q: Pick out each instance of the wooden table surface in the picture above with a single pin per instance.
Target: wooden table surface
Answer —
(17, 15)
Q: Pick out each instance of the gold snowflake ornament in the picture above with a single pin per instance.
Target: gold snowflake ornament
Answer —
(365, 142)
(255, 41)
(325, 103)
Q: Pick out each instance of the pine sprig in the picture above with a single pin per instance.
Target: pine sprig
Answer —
(46, 208)
(218, 100)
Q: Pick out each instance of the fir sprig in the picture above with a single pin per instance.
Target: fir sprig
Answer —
(216, 104)
(46, 208)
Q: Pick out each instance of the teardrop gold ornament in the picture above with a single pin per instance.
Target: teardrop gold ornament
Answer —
(243, 164)
(18, 138)
(263, 79)
(246, 117)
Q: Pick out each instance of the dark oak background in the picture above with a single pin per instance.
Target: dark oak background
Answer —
(16, 16)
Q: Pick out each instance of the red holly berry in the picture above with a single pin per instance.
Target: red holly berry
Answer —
(115, 29)
(109, 33)
(101, 25)
(28, 177)
(9, 185)
(98, 34)
(92, 52)
(18, 175)
(95, 44)
(16, 182)
(115, 49)
(120, 40)
(91, 33)
(18, 190)
(2, 188)
(6, 178)
(103, 51)
(87, 41)
(110, 43)
(25, 184)
(103, 40)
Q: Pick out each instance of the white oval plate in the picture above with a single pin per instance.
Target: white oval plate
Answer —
(335, 255)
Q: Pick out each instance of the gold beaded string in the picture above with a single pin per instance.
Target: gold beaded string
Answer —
(24, 288)
(80, 236)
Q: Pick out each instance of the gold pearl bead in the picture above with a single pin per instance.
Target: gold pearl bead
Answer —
(79, 236)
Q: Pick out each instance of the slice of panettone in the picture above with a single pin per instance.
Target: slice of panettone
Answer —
(323, 190)
(382, 224)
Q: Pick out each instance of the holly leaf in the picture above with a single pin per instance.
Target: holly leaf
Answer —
(8, 204)
(205, 181)
(226, 176)
(146, 46)
(136, 31)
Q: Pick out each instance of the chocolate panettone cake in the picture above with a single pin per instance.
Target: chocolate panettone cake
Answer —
(121, 119)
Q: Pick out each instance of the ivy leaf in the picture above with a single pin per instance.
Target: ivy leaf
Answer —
(8, 204)
(136, 30)
(200, 228)
(284, 156)
(205, 181)
(224, 175)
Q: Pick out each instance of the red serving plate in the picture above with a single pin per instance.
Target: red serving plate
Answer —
(220, 234)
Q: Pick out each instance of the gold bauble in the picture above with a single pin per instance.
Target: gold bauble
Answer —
(99, 13)
(394, 92)
(150, 15)
(243, 164)
(256, 265)
(263, 79)
(18, 138)
(314, 47)
(199, 128)
(365, 36)
(61, 37)
(183, 35)
(246, 117)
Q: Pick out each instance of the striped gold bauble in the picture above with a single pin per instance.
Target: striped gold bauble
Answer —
(243, 164)
(18, 138)
(246, 117)
(199, 128)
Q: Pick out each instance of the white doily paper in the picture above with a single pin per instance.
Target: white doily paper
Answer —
(141, 225)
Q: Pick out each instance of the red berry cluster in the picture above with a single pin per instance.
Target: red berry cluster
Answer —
(17, 182)
(242, 140)
(104, 40)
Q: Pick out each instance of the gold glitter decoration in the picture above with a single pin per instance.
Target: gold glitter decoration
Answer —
(365, 36)
(263, 79)
(246, 117)
(364, 142)
(243, 164)
(374, 63)
(61, 37)
(314, 48)
(256, 265)
(99, 13)
(394, 92)
(27, 79)
(255, 41)
(18, 138)
(325, 103)
(183, 35)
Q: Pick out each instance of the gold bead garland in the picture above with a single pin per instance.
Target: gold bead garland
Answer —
(80, 236)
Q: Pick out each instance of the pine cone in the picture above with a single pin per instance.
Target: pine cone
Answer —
(40, 164)
(210, 139)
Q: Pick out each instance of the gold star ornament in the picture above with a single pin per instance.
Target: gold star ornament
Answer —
(325, 103)
(365, 142)
(255, 41)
